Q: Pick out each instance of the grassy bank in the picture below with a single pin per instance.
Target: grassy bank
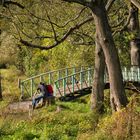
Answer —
(67, 120)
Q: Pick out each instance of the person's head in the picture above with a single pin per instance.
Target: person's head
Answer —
(41, 83)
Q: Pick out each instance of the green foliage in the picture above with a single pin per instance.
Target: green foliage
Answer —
(74, 121)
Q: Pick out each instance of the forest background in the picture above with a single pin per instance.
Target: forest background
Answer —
(68, 29)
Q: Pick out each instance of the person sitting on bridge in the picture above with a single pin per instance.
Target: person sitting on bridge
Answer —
(50, 98)
(43, 94)
(50, 90)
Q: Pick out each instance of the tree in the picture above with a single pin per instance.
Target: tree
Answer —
(0, 87)
(106, 41)
(97, 96)
(135, 42)
(0, 77)
(118, 97)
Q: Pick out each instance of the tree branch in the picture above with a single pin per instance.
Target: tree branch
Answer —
(77, 26)
(13, 3)
(76, 17)
(57, 42)
(109, 5)
(82, 2)
(125, 25)
(136, 3)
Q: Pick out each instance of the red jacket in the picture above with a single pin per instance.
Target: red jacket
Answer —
(50, 89)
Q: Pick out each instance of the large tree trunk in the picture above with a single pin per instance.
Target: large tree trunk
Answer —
(0, 76)
(135, 52)
(135, 43)
(118, 97)
(97, 96)
(0, 87)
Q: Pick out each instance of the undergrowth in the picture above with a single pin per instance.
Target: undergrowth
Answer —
(73, 121)
(70, 120)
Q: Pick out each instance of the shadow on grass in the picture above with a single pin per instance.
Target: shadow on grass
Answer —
(76, 95)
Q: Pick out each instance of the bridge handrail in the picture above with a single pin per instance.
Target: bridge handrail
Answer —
(72, 76)
(49, 73)
(45, 73)
(60, 76)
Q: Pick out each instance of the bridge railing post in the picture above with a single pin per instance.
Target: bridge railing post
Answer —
(74, 71)
(66, 74)
(73, 83)
(64, 86)
(59, 76)
(124, 72)
(89, 75)
(132, 74)
(81, 78)
(55, 89)
(31, 87)
(41, 78)
(50, 78)
(138, 74)
(21, 89)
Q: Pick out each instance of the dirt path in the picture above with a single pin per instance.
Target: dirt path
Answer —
(21, 106)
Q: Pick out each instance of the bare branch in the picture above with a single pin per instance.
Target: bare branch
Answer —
(6, 3)
(136, 3)
(109, 5)
(53, 23)
(77, 16)
(42, 37)
(82, 2)
(77, 26)
(57, 42)
(125, 25)
(54, 32)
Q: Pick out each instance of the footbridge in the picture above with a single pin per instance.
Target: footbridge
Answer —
(68, 81)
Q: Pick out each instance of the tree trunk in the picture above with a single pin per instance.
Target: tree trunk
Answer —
(118, 97)
(135, 43)
(134, 21)
(135, 52)
(0, 87)
(0, 77)
(97, 96)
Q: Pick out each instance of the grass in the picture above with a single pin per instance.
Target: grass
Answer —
(67, 120)
(75, 121)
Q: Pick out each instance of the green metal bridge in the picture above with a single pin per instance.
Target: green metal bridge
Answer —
(70, 80)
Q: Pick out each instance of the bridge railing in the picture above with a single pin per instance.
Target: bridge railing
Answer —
(131, 74)
(68, 79)
(74, 82)
(29, 85)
